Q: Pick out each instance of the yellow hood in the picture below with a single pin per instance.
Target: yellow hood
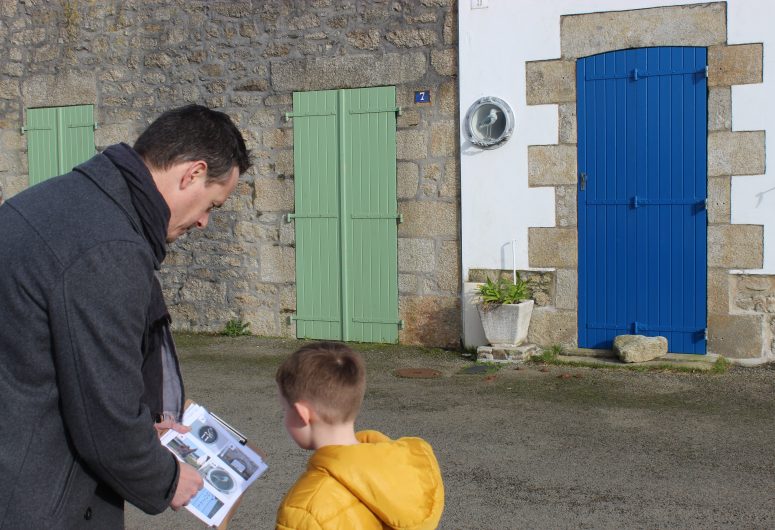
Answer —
(399, 481)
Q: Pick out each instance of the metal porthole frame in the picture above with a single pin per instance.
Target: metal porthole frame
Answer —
(473, 133)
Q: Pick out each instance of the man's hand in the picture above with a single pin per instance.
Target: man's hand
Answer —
(168, 423)
(189, 483)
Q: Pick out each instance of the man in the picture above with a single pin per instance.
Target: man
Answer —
(86, 357)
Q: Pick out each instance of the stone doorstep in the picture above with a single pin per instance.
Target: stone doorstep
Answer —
(608, 357)
(519, 354)
(506, 353)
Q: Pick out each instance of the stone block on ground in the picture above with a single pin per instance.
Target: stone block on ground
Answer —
(506, 354)
(638, 348)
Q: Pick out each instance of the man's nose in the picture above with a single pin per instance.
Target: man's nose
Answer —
(201, 223)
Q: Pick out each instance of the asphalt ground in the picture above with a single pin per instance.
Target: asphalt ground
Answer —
(541, 446)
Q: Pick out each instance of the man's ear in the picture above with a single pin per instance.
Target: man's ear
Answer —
(304, 411)
(193, 170)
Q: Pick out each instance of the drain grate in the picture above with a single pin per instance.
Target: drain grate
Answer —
(477, 369)
(418, 373)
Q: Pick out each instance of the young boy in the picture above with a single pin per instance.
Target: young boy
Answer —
(353, 480)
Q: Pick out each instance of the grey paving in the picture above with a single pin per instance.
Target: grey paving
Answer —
(537, 447)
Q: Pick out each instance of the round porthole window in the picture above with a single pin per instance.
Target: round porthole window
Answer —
(489, 122)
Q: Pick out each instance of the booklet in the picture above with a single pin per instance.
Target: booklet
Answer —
(225, 459)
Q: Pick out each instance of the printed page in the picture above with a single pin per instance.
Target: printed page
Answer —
(227, 465)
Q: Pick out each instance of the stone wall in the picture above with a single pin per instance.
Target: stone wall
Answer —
(750, 326)
(730, 153)
(540, 283)
(135, 59)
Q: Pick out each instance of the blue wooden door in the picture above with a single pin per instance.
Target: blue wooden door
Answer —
(642, 161)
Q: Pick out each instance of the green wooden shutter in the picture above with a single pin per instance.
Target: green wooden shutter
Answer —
(42, 157)
(370, 228)
(77, 136)
(346, 214)
(316, 169)
(58, 139)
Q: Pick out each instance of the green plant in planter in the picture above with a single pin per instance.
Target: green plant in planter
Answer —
(503, 291)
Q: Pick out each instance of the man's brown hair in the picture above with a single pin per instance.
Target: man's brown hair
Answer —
(329, 376)
(192, 133)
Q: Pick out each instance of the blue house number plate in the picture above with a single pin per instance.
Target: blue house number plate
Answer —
(422, 96)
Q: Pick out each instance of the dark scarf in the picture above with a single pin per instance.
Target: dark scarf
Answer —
(150, 205)
(152, 209)
(154, 216)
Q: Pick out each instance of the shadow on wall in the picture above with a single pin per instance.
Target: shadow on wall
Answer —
(432, 321)
(759, 196)
(469, 149)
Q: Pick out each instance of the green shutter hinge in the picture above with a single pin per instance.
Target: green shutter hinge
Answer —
(289, 320)
(24, 129)
(399, 112)
(289, 115)
(400, 324)
(400, 218)
(290, 217)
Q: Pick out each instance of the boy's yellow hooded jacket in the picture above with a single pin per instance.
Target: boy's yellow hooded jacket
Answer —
(379, 483)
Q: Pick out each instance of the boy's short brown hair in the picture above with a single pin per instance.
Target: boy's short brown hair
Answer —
(328, 375)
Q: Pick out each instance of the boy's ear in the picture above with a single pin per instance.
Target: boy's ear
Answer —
(304, 411)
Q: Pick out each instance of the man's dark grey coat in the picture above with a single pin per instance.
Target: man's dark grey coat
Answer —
(75, 286)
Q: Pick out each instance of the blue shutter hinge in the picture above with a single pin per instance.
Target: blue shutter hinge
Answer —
(583, 180)
(635, 202)
(635, 74)
(706, 71)
(706, 334)
(290, 217)
(637, 327)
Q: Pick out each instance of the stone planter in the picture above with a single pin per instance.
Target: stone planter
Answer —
(506, 324)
